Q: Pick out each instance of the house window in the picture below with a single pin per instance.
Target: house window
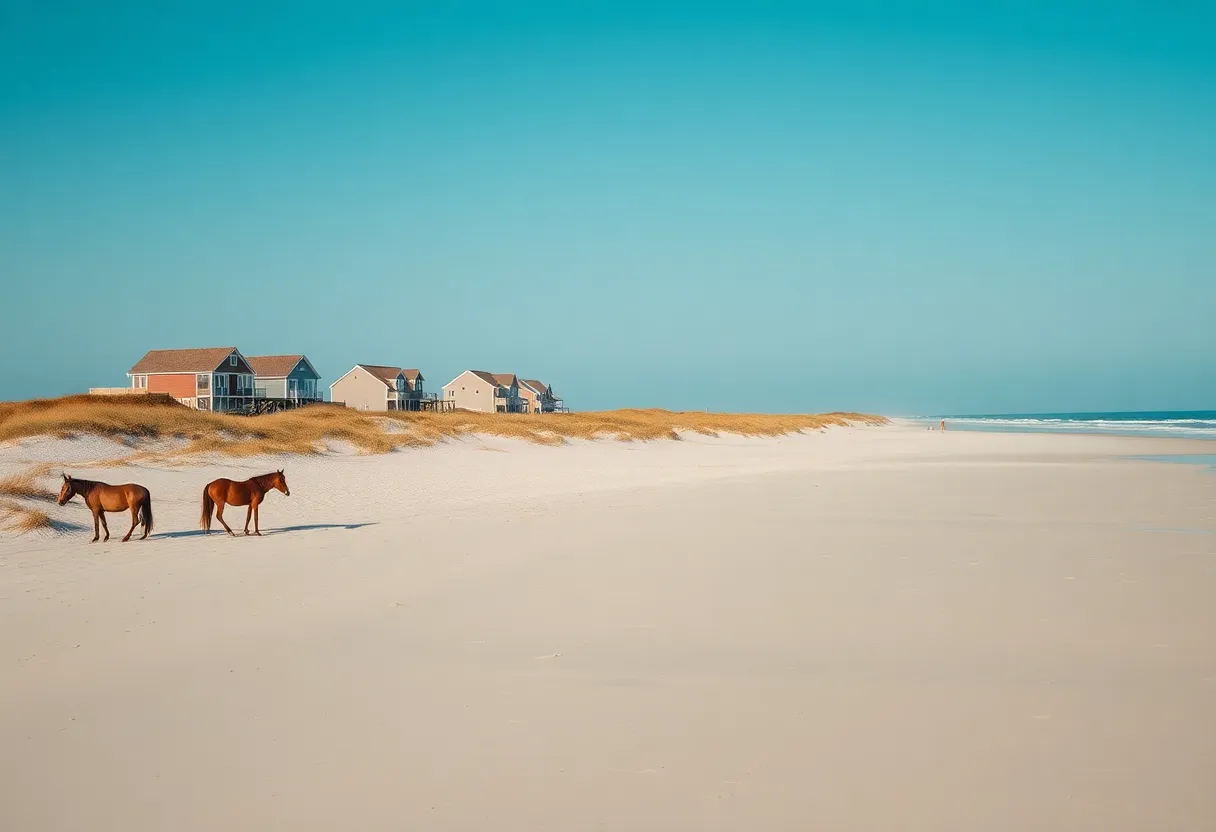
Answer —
(139, 382)
(232, 360)
(204, 383)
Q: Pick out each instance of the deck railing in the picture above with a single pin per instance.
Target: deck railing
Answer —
(292, 395)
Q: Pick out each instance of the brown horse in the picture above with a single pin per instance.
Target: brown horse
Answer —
(101, 498)
(250, 493)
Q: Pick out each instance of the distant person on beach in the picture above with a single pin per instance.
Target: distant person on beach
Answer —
(943, 425)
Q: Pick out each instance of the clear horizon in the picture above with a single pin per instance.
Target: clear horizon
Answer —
(887, 207)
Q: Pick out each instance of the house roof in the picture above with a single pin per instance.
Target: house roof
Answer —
(538, 386)
(386, 374)
(412, 375)
(273, 366)
(488, 378)
(182, 361)
(493, 379)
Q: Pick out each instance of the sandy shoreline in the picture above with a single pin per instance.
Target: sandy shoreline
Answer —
(879, 628)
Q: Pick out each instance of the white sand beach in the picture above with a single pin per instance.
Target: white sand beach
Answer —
(862, 629)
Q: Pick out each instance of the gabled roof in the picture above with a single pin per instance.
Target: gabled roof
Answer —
(183, 361)
(386, 374)
(493, 379)
(488, 378)
(412, 375)
(277, 366)
(380, 372)
(537, 387)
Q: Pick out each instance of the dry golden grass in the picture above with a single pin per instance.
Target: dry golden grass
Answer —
(25, 486)
(23, 519)
(306, 431)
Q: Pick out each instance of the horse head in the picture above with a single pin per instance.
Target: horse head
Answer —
(280, 482)
(67, 491)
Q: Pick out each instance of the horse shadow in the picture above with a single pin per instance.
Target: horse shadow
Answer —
(308, 527)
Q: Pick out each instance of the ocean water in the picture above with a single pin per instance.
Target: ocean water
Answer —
(1197, 424)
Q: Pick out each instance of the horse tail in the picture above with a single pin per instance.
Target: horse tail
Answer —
(145, 512)
(208, 507)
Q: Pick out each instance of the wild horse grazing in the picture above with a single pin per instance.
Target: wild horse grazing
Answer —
(101, 498)
(250, 493)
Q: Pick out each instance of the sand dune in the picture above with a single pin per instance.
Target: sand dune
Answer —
(182, 433)
(868, 628)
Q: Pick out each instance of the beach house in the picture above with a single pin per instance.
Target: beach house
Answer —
(512, 401)
(538, 397)
(287, 377)
(214, 378)
(485, 392)
(379, 387)
(415, 397)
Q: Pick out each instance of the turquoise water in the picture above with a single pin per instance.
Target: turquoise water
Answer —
(1196, 424)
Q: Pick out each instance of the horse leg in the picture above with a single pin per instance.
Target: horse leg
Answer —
(256, 530)
(106, 526)
(96, 527)
(134, 522)
(219, 515)
(148, 521)
(248, 515)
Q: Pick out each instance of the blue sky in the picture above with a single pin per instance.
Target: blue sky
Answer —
(900, 207)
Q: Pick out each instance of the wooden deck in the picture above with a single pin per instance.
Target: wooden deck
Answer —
(257, 407)
(428, 403)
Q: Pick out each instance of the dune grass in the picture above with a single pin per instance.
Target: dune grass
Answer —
(24, 485)
(22, 519)
(307, 430)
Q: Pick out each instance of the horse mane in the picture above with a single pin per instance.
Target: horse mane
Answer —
(265, 478)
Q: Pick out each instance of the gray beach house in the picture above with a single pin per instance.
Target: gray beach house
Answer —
(290, 377)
